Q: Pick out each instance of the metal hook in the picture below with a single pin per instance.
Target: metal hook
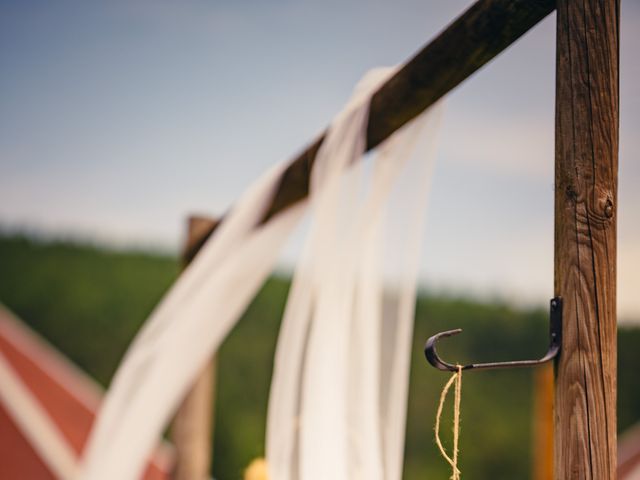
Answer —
(555, 341)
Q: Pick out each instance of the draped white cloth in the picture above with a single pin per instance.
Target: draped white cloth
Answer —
(352, 404)
(339, 389)
(182, 333)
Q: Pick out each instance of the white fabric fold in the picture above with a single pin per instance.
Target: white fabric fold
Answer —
(183, 332)
(336, 408)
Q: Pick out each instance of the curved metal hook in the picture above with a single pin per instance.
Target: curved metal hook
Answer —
(555, 341)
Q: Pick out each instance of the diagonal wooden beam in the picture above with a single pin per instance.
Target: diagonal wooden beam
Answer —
(483, 31)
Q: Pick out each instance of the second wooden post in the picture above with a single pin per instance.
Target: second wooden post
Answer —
(192, 428)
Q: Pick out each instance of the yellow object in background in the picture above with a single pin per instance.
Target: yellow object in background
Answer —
(257, 470)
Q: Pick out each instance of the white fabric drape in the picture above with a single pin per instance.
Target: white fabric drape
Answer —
(338, 395)
(364, 435)
(182, 333)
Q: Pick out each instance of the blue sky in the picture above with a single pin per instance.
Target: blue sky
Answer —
(117, 119)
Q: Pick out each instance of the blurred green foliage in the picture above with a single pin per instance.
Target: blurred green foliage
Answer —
(89, 302)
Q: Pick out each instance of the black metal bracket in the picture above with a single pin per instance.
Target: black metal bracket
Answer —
(555, 341)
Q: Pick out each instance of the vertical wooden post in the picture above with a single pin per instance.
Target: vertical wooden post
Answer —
(192, 428)
(586, 182)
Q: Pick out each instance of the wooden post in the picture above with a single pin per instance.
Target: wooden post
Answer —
(192, 428)
(585, 237)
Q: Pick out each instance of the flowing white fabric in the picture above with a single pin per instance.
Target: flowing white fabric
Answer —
(195, 316)
(182, 333)
(338, 396)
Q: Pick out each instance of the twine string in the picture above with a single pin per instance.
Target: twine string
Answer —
(456, 379)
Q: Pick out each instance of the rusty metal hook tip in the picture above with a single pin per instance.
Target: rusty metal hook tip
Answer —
(555, 341)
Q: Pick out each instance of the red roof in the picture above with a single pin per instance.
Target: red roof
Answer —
(65, 393)
(629, 454)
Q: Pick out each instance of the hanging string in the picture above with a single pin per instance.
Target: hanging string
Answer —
(456, 379)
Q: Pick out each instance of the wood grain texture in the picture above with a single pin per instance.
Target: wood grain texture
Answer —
(585, 237)
(192, 428)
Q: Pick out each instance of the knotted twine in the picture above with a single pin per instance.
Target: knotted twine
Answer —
(456, 379)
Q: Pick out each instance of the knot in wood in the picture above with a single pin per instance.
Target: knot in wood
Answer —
(608, 208)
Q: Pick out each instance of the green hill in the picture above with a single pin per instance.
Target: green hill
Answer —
(89, 302)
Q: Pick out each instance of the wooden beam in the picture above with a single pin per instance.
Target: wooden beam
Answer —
(192, 428)
(473, 39)
(483, 31)
(585, 237)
